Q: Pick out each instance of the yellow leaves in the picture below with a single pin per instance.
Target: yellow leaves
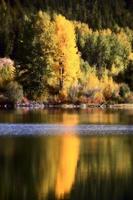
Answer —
(124, 40)
(103, 88)
(122, 37)
(92, 81)
(108, 82)
(99, 97)
(43, 19)
(108, 87)
(108, 51)
(105, 32)
(130, 56)
(57, 41)
(7, 70)
(83, 28)
(115, 70)
(68, 56)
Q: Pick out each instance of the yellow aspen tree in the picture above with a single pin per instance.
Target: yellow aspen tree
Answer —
(67, 64)
(60, 60)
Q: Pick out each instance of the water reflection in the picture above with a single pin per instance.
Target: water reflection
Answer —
(46, 169)
(68, 158)
(105, 170)
(67, 166)
(88, 116)
(58, 161)
(104, 152)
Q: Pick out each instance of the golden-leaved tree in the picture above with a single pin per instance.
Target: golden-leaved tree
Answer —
(61, 61)
(67, 64)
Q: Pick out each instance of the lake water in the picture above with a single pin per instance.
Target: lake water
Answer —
(66, 155)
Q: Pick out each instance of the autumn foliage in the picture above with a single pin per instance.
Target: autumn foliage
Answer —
(58, 60)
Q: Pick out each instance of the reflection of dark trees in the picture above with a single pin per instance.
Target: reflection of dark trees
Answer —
(105, 172)
(94, 116)
(15, 178)
(24, 162)
(29, 166)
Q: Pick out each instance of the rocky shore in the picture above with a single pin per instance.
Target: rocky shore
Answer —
(36, 105)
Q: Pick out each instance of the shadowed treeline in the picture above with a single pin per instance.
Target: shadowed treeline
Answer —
(97, 13)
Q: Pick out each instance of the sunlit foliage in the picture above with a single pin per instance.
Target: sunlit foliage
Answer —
(58, 60)
(58, 63)
(105, 49)
(67, 61)
(7, 70)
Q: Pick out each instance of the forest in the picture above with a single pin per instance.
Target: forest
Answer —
(72, 51)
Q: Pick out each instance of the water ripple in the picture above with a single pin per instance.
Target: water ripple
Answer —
(49, 129)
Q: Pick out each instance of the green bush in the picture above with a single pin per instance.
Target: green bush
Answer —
(124, 90)
(128, 75)
(14, 92)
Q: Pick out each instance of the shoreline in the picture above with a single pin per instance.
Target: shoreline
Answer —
(74, 106)
(38, 105)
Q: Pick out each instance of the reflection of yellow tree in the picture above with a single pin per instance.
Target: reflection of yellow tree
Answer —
(69, 152)
(58, 160)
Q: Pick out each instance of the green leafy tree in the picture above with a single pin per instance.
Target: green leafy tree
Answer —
(127, 75)
(31, 62)
(124, 90)
(45, 38)
(107, 50)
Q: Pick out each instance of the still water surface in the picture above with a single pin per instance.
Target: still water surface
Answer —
(51, 116)
(66, 165)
